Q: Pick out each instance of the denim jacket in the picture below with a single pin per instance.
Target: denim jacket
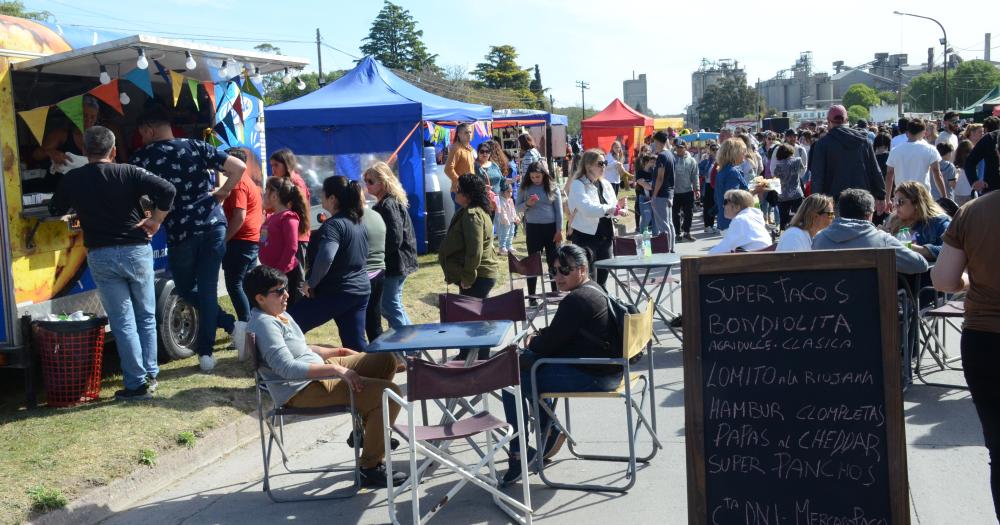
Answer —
(928, 234)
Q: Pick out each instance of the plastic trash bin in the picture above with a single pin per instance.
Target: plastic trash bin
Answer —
(71, 354)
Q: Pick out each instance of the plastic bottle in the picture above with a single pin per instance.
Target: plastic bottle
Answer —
(905, 237)
(647, 243)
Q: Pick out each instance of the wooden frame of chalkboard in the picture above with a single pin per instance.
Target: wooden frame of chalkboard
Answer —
(744, 488)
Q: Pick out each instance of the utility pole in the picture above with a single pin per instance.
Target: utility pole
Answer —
(319, 58)
(583, 86)
(944, 42)
(552, 103)
(899, 90)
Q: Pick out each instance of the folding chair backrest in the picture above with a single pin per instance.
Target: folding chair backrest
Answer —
(638, 331)
(253, 353)
(426, 380)
(624, 246)
(507, 306)
(660, 244)
(530, 266)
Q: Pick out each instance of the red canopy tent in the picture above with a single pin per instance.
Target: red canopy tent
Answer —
(618, 121)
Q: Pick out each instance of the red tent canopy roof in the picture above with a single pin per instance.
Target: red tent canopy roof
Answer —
(618, 114)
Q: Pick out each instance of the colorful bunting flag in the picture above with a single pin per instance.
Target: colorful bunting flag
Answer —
(176, 81)
(210, 90)
(238, 106)
(73, 109)
(35, 119)
(108, 93)
(193, 87)
(162, 71)
(250, 88)
(140, 78)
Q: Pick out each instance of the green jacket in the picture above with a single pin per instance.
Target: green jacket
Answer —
(467, 251)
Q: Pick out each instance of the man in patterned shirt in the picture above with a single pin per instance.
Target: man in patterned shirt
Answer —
(196, 227)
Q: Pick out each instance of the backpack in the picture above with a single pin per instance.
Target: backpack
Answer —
(618, 311)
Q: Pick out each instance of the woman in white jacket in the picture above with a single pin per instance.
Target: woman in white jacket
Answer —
(592, 206)
(747, 232)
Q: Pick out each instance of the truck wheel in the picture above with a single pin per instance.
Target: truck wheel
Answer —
(176, 323)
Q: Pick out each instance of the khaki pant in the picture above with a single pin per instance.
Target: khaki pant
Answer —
(377, 371)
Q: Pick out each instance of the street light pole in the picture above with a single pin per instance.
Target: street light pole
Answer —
(944, 42)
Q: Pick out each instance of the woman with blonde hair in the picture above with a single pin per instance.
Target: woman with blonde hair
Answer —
(592, 206)
(400, 239)
(731, 155)
(615, 169)
(915, 209)
(746, 232)
(815, 213)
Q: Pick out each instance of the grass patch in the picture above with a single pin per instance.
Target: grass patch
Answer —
(147, 456)
(67, 451)
(186, 439)
(45, 499)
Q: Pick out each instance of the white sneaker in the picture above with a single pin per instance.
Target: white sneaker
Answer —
(206, 362)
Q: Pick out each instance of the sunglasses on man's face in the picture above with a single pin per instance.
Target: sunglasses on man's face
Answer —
(565, 270)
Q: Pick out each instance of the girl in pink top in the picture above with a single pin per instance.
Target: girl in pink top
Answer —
(280, 232)
(283, 164)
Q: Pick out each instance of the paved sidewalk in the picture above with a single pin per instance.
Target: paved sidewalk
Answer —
(948, 467)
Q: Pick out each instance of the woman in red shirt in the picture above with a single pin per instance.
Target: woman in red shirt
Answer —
(283, 164)
(280, 234)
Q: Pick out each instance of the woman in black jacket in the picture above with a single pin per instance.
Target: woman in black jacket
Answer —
(582, 327)
(400, 239)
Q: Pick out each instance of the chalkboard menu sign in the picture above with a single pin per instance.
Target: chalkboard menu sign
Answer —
(792, 379)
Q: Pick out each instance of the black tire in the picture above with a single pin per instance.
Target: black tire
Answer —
(176, 323)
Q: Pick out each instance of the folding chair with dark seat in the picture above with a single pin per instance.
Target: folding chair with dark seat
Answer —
(430, 381)
(272, 431)
(508, 306)
(934, 320)
(531, 267)
(637, 337)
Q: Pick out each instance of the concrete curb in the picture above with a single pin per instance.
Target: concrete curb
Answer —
(101, 503)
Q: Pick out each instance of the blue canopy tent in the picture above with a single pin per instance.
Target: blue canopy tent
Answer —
(553, 135)
(551, 119)
(367, 110)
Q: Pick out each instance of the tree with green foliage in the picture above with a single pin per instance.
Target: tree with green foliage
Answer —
(16, 8)
(395, 41)
(887, 97)
(967, 83)
(730, 98)
(277, 92)
(573, 116)
(860, 95)
(500, 70)
(856, 113)
(536, 88)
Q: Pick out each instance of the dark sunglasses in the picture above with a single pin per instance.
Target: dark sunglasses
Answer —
(565, 270)
(726, 201)
(602, 163)
(278, 291)
(370, 182)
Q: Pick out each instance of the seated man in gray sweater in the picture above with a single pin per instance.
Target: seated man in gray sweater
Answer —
(853, 228)
(287, 356)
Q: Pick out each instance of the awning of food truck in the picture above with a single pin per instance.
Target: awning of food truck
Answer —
(121, 55)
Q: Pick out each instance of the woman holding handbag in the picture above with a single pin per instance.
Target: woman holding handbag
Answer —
(592, 207)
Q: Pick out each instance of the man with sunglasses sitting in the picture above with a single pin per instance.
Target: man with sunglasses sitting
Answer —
(854, 229)
(285, 355)
(582, 328)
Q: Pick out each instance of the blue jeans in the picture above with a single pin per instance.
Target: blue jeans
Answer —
(392, 301)
(124, 279)
(505, 235)
(645, 212)
(240, 258)
(552, 378)
(347, 310)
(195, 264)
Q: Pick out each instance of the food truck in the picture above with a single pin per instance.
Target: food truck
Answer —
(55, 81)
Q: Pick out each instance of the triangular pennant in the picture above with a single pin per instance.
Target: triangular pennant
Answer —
(250, 88)
(108, 93)
(176, 81)
(193, 86)
(238, 106)
(140, 77)
(220, 95)
(162, 71)
(210, 90)
(73, 109)
(226, 133)
(35, 119)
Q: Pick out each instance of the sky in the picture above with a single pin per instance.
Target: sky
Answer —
(601, 43)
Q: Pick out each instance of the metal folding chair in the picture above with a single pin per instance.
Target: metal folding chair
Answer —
(934, 320)
(430, 381)
(272, 431)
(638, 336)
(531, 267)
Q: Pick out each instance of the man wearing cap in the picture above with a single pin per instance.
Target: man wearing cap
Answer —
(951, 131)
(685, 189)
(844, 159)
